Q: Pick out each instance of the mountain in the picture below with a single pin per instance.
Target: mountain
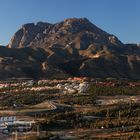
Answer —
(73, 47)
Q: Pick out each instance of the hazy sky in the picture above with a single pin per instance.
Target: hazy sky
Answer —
(118, 17)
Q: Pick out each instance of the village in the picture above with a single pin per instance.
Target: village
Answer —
(26, 103)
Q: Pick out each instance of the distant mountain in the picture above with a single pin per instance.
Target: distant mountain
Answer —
(73, 47)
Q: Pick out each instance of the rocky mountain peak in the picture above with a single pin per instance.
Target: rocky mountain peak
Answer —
(76, 22)
(74, 47)
(27, 34)
(44, 34)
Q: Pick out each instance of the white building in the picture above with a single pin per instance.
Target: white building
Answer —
(83, 87)
(7, 119)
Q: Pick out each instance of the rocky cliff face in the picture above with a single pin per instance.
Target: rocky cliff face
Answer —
(79, 31)
(73, 47)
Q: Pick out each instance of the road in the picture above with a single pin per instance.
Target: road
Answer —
(42, 107)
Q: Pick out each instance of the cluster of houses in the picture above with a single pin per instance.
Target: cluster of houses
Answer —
(24, 82)
(9, 124)
(40, 88)
(4, 84)
(74, 87)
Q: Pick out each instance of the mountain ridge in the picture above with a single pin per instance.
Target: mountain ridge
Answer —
(73, 47)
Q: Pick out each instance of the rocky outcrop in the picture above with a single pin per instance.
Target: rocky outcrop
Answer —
(27, 34)
(73, 47)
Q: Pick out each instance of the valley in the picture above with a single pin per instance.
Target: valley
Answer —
(76, 108)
